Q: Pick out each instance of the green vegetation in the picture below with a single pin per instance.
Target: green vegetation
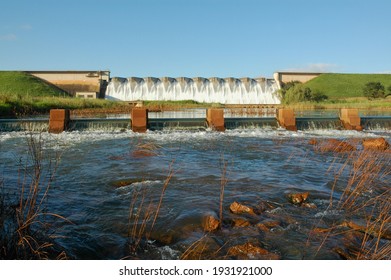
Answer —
(23, 94)
(20, 84)
(342, 91)
(341, 86)
(373, 90)
(295, 92)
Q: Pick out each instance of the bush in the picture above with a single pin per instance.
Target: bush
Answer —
(318, 96)
(374, 90)
(295, 92)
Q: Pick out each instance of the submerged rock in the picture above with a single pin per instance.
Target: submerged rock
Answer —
(262, 206)
(210, 223)
(266, 226)
(377, 144)
(308, 205)
(124, 182)
(145, 150)
(334, 145)
(143, 153)
(374, 231)
(203, 248)
(250, 251)
(321, 230)
(240, 223)
(238, 208)
(298, 198)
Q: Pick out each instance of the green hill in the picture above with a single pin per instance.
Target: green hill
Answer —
(337, 86)
(20, 84)
(22, 94)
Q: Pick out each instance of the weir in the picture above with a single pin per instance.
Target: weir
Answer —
(195, 119)
(203, 90)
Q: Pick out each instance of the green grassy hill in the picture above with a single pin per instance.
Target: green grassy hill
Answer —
(338, 86)
(18, 84)
(22, 94)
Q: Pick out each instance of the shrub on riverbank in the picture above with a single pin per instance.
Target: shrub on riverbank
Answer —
(295, 92)
(374, 90)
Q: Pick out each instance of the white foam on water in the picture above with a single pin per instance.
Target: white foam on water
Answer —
(138, 184)
(126, 190)
(328, 213)
(167, 253)
(71, 138)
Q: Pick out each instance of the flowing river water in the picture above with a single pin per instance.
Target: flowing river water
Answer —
(107, 182)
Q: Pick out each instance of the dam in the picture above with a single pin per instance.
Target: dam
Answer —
(203, 90)
(231, 90)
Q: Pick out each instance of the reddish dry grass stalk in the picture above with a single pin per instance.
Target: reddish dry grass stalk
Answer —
(366, 195)
(34, 181)
(143, 214)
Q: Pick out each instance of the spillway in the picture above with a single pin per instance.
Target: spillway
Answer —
(208, 90)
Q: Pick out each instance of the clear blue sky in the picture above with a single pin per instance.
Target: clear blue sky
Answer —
(197, 37)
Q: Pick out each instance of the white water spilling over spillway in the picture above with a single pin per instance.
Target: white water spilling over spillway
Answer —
(211, 90)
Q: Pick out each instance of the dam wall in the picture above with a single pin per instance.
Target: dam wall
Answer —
(74, 82)
(285, 77)
(209, 90)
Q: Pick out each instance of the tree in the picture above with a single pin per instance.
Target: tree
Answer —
(286, 86)
(389, 90)
(297, 92)
(318, 96)
(373, 90)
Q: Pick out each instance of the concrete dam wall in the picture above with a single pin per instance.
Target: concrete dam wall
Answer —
(208, 90)
(74, 82)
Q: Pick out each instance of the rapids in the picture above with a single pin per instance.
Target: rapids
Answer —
(100, 173)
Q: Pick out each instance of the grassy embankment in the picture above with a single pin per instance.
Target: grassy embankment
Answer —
(346, 90)
(23, 94)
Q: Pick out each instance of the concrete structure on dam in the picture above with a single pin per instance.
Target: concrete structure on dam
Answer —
(87, 84)
(284, 77)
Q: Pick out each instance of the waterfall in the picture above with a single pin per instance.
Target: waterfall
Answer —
(209, 90)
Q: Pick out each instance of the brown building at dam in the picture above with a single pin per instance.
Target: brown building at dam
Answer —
(285, 77)
(87, 84)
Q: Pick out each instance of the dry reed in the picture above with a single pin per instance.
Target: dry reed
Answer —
(28, 236)
(144, 212)
(361, 192)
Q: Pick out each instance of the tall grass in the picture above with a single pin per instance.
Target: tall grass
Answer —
(361, 192)
(144, 212)
(223, 183)
(27, 232)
